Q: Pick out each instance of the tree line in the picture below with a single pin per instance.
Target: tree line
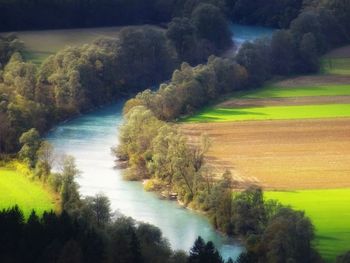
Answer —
(44, 14)
(67, 238)
(85, 229)
(77, 79)
(296, 50)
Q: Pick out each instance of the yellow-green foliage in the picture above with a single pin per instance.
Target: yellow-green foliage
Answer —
(17, 188)
(21, 168)
(152, 185)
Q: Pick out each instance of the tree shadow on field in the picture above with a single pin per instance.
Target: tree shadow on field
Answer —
(224, 114)
(320, 237)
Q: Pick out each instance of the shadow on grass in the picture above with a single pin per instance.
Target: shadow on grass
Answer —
(222, 114)
(320, 237)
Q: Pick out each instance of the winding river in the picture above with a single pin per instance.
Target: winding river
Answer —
(89, 139)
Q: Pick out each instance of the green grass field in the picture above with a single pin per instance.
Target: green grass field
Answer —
(281, 92)
(336, 66)
(17, 189)
(42, 43)
(271, 113)
(329, 211)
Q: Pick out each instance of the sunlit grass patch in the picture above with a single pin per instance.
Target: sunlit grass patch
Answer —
(16, 188)
(329, 211)
(271, 113)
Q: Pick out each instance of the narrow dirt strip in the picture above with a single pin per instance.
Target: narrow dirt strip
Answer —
(319, 100)
(314, 80)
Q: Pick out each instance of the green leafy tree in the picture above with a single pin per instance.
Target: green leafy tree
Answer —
(70, 198)
(97, 209)
(248, 211)
(181, 33)
(309, 53)
(288, 238)
(212, 25)
(30, 142)
(282, 53)
(202, 252)
(46, 157)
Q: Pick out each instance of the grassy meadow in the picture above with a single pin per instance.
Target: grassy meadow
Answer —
(41, 44)
(330, 213)
(271, 113)
(311, 110)
(310, 91)
(16, 188)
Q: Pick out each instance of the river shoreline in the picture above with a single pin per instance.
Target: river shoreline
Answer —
(123, 165)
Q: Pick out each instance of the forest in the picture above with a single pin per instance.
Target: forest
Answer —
(78, 13)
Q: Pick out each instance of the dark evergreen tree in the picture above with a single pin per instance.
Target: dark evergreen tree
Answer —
(202, 252)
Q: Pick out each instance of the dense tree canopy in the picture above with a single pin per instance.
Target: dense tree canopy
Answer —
(67, 238)
(76, 13)
(77, 79)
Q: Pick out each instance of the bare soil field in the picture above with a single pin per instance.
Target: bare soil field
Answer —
(298, 154)
(313, 80)
(236, 103)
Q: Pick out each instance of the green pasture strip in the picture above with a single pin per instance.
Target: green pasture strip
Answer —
(271, 113)
(310, 91)
(16, 188)
(329, 211)
(335, 66)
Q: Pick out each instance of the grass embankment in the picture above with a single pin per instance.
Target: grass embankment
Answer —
(330, 213)
(336, 66)
(17, 188)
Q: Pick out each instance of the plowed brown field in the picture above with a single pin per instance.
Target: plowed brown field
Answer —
(298, 154)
